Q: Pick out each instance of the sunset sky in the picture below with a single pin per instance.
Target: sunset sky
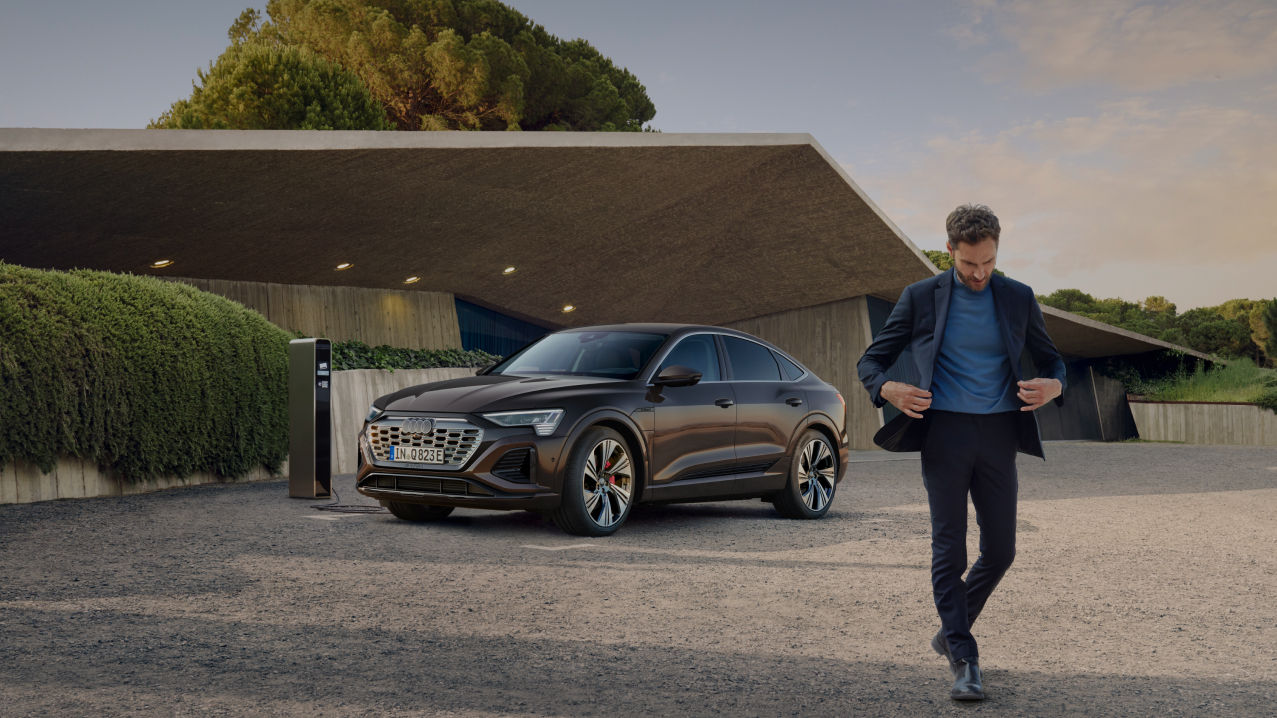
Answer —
(1129, 147)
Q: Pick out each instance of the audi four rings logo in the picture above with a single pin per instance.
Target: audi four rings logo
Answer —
(417, 426)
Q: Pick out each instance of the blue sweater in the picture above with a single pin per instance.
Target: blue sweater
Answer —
(973, 372)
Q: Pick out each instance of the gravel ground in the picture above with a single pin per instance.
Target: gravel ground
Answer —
(1144, 585)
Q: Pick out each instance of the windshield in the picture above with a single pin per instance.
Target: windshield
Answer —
(619, 355)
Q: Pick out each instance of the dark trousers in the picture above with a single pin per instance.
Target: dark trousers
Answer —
(975, 454)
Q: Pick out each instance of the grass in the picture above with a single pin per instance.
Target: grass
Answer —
(1238, 381)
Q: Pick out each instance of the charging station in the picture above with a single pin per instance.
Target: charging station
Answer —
(310, 420)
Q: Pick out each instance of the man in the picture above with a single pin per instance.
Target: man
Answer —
(969, 415)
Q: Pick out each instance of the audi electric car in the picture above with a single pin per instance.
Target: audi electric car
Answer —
(582, 424)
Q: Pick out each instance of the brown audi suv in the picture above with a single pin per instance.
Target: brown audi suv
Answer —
(582, 424)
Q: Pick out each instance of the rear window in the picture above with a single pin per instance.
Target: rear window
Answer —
(751, 361)
(791, 370)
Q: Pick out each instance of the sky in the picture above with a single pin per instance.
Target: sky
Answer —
(1129, 147)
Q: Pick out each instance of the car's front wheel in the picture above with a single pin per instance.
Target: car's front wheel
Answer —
(417, 512)
(813, 478)
(598, 484)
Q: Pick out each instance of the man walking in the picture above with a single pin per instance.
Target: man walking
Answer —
(969, 414)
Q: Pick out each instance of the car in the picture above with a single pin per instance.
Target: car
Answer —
(584, 423)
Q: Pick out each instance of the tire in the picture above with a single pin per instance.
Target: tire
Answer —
(417, 512)
(594, 502)
(813, 479)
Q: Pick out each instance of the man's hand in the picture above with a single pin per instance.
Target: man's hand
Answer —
(1037, 392)
(906, 397)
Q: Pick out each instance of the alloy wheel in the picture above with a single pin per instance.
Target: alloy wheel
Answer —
(817, 473)
(608, 482)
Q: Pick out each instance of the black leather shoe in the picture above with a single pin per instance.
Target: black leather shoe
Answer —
(941, 646)
(967, 683)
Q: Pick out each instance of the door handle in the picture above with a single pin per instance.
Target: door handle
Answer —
(794, 401)
(725, 403)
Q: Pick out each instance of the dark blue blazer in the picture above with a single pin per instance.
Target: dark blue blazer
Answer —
(917, 322)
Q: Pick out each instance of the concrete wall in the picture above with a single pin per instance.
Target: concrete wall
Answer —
(24, 483)
(352, 393)
(1233, 424)
(828, 339)
(412, 319)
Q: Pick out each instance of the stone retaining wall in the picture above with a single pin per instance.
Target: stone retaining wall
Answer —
(71, 478)
(1200, 423)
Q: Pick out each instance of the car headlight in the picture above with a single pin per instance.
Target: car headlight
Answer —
(374, 414)
(543, 421)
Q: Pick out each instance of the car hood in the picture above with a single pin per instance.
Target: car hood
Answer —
(486, 393)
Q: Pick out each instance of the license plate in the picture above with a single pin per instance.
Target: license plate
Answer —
(416, 454)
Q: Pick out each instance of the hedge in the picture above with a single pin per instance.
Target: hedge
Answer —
(144, 377)
(357, 355)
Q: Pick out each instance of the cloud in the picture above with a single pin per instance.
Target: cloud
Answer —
(973, 30)
(1185, 193)
(1133, 44)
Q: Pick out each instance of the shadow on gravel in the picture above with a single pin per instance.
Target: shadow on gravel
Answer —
(50, 662)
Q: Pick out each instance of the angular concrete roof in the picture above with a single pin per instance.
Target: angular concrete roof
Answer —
(695, 228)
(624, 226)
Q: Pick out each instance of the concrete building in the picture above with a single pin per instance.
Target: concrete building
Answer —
(409, 239)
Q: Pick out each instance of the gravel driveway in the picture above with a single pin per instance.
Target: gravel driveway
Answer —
(1145, 584)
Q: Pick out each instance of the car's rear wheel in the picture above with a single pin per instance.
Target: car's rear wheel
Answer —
(417, 512)
(598, 485)
(813, 478)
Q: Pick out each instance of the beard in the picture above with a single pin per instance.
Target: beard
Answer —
(970, 282)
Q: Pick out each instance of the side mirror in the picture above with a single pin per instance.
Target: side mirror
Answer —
(677, 375)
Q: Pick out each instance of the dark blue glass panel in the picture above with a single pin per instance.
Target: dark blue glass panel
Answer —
(494, 332)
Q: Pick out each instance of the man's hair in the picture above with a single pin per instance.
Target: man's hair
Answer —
(972, 223)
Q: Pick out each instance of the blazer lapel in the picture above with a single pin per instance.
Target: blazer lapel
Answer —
(1000, 301)
(940, 304)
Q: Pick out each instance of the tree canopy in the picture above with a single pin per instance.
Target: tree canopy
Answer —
(428, 65)
(261, 86)
(1235, 328)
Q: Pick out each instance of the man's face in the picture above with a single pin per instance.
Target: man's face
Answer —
(973, 263)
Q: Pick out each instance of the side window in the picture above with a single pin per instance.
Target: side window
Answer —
(791, 370)
(750, 361)
(697, 352)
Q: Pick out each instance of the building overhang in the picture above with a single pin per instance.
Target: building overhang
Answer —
(624, 227)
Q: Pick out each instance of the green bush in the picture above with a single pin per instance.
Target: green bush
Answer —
(1240, 380)
(357, 355)
(143, 377)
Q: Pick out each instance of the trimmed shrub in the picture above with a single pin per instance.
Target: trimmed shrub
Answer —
(357, 355)
(144, 377)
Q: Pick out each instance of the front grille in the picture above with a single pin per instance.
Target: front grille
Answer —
(516, 465)
(459, 439)
(427, 485)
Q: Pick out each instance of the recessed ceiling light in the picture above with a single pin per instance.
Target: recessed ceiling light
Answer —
(412, 280)
(509, 270)
(345, 265)
(161, 263)
(568, 308)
